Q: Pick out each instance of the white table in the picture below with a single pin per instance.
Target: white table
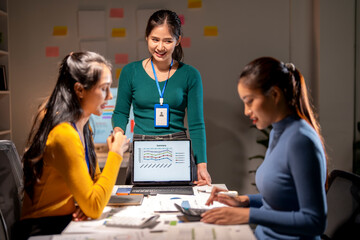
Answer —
(169, 226)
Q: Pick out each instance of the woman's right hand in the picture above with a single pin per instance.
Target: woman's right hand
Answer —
(239, 201)
(117, 142)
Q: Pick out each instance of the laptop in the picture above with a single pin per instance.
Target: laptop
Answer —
(162, 166)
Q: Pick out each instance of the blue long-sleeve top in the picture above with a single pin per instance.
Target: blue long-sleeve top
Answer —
(291, 183)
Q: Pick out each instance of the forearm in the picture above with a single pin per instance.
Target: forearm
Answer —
(291, 222)
(93, 200)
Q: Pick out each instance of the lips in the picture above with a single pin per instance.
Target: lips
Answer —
(160, 54)
(103, 105)
(254, 120)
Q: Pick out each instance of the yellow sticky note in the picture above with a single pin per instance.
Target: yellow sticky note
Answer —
(210, 31)
(194, 3)
(118, 71)
(118, 32)
(60, 31)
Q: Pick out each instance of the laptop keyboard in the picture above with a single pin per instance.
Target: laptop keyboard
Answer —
(183, 190)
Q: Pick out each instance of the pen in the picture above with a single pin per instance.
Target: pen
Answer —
(229, 193)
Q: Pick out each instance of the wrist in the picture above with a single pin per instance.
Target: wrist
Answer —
(202, 165)
(117, 129)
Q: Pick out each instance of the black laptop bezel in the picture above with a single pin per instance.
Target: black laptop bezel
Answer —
(161, 183)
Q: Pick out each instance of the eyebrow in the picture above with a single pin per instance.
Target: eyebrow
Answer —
(163, 39)
(245, 97)
(107, 83)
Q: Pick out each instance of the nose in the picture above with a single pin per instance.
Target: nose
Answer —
(161, 45)
(247, 111)
(109, 96)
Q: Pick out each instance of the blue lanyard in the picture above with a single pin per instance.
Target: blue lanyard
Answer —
(86, 149)
(161, 93)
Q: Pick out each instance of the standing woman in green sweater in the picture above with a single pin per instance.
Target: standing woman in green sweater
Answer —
(161, 82)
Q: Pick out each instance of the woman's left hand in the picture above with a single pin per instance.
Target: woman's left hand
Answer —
(226, 215)
(78, 215)
(202, 175)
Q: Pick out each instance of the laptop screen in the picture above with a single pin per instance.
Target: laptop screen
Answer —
(161, 161)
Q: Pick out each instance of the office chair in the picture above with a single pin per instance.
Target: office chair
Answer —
(343, 200)
(11, 185)
(3, 229)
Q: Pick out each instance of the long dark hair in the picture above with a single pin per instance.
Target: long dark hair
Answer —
(62, 106)
(160, 17)
(265, 72)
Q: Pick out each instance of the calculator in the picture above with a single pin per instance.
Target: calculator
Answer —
(132, 221)
(193, 214)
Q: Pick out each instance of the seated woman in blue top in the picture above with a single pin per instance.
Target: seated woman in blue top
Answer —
(291, 180)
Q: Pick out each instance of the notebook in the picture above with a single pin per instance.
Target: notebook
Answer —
(125, 200)
(162, 166)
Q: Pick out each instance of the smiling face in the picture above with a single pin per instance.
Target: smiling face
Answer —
(95, 99)
(161, 43)
(260, 108)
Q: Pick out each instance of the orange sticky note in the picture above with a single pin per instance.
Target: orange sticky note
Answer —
(194, 3)
(52, 51)
(60, 31)
(185, 42)
(121, 58)
(182, 19)
(118, 71)
(117, 13)
(118, 32)
(210, 31)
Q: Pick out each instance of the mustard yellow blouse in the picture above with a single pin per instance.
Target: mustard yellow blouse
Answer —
(66, 179)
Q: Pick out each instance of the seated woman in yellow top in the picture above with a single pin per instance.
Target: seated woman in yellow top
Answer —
(60, 165)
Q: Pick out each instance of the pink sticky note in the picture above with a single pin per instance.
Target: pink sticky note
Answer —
(182, 19)
(52, 51)
(186, 42)
(121, 58)
(116, 12)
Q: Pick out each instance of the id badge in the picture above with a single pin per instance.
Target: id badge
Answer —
(161, 118)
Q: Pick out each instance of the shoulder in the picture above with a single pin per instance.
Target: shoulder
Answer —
(188, 68)
(191, 72)
(132, 66)
(302, 132)
(302, 139)
(62, 133)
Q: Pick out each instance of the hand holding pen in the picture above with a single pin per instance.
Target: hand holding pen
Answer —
(229, 198)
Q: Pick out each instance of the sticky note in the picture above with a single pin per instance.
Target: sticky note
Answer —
(194, 3)
(60, 31)
(52, 51)
(118, 32)
(210, 31)
(182, 19)
(185, 42)
(173, 223)
(121, 58)
(118, 71)
(116, 12)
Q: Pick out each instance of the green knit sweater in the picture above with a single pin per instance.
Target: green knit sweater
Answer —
(183, 92)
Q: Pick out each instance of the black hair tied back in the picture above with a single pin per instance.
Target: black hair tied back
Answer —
(290, 67)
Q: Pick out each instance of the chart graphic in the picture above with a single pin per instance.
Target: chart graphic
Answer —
(160, 157)
(158, 154)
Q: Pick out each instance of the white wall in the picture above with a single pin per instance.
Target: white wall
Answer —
(337, 55)
(247, 29)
